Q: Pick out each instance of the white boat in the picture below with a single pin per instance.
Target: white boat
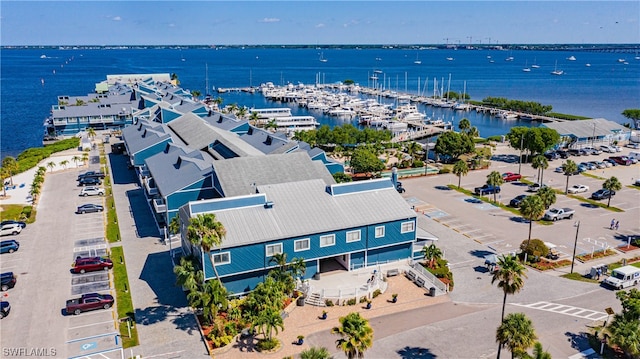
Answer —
(322, 59)
(556, 71)
(449, 58)
(43, 56)
(535, 65)
(526, 68)
(507, 115)
(292, 124)
(417, 62)
(588, 65)
(510, 58)
(622, 60)
(571, 58)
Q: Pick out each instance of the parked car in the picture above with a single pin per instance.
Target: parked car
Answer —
(559, 169)
(10, 229)
(599, 164)
(7, 281)
(551, 155)
(608, 149)
(90, 301)
(89, 181)
(617, 148)
(563, 154)
(95, 174)
(633, 160)
(9, 246)
(510, 176)
(517, 201)
(587, 165)
(92, 191)
(578, 188)
(575, 152)
(635, 146)
(535, 187)
(621, 160)
(602, 194)
(89, 208)
(486, 189)
(592, 151)
(610, 161)
(91, 264)
(5, 308)
(582, 167)
(20, 223)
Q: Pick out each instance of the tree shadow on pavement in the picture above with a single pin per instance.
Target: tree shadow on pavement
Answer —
(518, 219)
(443, 188)
(480, 253)
(579, 341)
(142, 217)
(416, 353)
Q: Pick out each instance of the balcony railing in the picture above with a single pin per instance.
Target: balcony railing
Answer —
(159, 205)
(152, 191)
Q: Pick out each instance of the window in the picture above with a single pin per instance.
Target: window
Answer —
(301, 245)
(326, 241)
(222, 258)
(353, 236)
(272, 249)
(406, 227)
(379, 231)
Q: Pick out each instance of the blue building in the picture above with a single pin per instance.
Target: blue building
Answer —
(352, 225)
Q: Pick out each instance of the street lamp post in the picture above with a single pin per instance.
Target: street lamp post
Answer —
(520, 159)
(575, 244)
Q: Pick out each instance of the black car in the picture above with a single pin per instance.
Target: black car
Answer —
(8, 281)
(20, 223)
(89, 208)
(551, 155)
(517, 201)
(562, 154)
(5, 308)
(89, 181)
(602, 194)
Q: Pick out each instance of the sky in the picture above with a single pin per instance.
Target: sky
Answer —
(25, 22)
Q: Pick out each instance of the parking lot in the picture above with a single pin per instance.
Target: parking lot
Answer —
(502, 231)
(49, 246)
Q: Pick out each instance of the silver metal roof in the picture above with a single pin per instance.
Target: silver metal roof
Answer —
(597, 127)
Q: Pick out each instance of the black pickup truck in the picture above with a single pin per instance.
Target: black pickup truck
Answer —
(94, 174)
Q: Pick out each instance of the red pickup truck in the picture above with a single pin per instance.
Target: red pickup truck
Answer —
(90, 301)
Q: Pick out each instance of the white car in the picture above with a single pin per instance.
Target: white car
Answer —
(609, 149)
(577, 188)
(10, 229)
(92, 191)
(635, 146)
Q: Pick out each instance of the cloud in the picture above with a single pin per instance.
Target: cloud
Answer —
(320, 25)
(269, 19)
(172, 25)
(116, 18)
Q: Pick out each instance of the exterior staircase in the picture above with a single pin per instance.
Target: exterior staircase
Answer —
(315, 299)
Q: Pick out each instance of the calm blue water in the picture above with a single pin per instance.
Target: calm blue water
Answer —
(604, 89)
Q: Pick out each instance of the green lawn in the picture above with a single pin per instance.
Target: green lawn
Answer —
(18, 212)
(123, 298)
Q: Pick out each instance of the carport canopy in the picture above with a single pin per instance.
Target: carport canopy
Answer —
(422, 235)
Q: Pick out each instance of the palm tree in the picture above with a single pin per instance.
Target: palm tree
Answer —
(473, 132)
(85, 157)
(4, 174)
(539, 352)
(548, 196)
(34, 192)
(271, 125)
(280, 259)
(356, 335)
(532, 209)
(186, 274)
(540, 163)
(76, 159)
(242, 111)
(494, 179)
(51, 165)
(174, 225)
(460, 169)
(195, 94)
(509, 277)
(612, 184)
(64, 164)
(315, 353)
(298, 267)
(625, 333)
(11, 166)
(253, 118)
(431, 254)
(91, 132)
(268, 321)
(517, 333)
(206, 232)
(570, 168)
(464, 125)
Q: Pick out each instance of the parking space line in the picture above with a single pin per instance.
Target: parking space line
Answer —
(88, 325)
(91, 337)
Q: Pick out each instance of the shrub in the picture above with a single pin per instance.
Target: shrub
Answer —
(26, 212)
(267, 344)
(444, 170)
(536, 248)
(363, 299)
(328, 303)
(418, 163)
(376, 293)
(351, 301)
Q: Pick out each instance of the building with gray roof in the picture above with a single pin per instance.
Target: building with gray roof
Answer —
(355, 225)
(594, 132)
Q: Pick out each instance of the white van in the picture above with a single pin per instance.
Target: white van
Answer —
(635, 155)
(623, 277)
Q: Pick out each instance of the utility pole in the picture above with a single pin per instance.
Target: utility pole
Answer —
(575, 244)
(520, 161)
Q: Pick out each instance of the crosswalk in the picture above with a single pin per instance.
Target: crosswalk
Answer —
(565, 310)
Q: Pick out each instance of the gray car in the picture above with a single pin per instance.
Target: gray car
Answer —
(89, 208)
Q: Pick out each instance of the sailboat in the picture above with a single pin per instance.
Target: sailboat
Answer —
(556, 71)
(417, 62)
(526, 68)
(535, 66)
(322, 59)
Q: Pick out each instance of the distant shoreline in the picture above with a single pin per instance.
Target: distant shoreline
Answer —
(537, 47)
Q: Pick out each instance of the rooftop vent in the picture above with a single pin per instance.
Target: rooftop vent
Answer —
(268, 204)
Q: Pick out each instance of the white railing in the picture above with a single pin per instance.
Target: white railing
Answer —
(342, 295)
(433, 279)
